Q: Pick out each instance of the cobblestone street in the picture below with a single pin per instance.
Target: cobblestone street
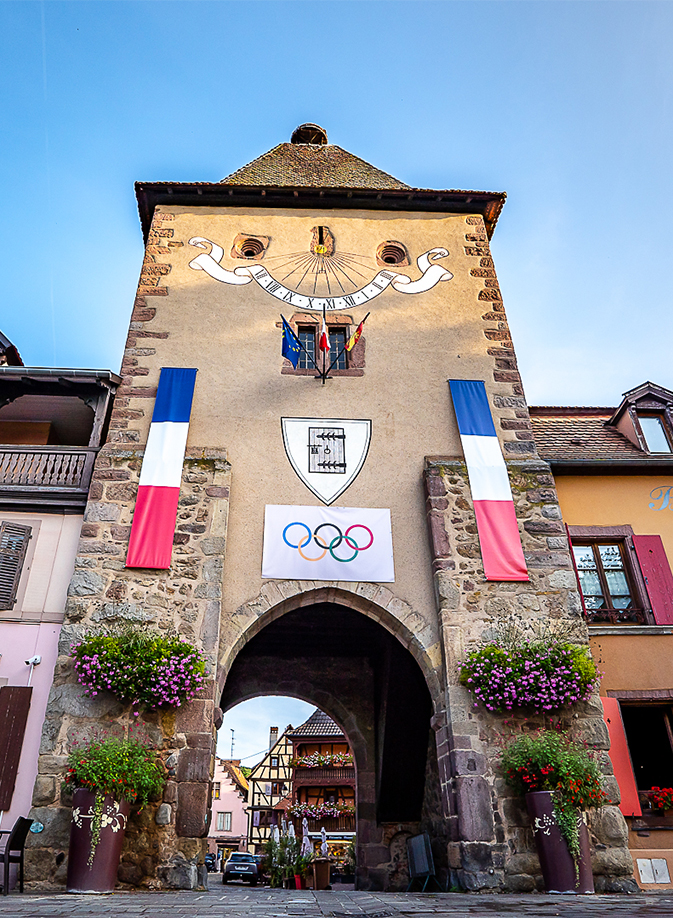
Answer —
(240, 902)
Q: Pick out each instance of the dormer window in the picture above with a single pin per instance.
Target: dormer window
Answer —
(645, 417)
(654, 431)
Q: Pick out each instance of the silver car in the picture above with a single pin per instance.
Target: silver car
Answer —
(241, 866)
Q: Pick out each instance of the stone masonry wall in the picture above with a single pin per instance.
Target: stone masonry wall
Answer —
(165, 842)
(493, 843)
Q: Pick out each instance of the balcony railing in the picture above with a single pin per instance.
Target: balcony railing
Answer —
(46, 475)
(338, 824)
(323, 777)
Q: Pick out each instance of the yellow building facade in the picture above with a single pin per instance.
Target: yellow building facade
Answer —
(613, 469)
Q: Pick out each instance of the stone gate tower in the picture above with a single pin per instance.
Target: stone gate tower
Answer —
(326, 543)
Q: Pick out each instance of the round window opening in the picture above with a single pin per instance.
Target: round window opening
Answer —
(392, 253)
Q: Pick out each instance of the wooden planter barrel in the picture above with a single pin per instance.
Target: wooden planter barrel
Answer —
(101, 876)
(558, 867)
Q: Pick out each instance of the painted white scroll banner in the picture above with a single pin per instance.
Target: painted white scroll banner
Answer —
(327, 543)
(431, 275)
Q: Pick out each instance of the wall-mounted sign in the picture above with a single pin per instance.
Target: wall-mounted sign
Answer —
(313, 267)
(661, 498)
(326, 453)
(327, 543)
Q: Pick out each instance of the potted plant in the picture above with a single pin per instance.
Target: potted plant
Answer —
(283, 855)
(107, 776)
(350, 862)
(530, 665)
(558, 778)
(140, 667)
(662, 798)
(323, 760)
(661, 802)
(328, 810)
(301, 868)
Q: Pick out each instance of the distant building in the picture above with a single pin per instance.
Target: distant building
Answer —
(270, 783)
(229, 822)
(52, 424)
(323, 779)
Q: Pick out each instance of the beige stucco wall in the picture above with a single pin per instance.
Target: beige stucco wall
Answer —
(414, 343)
(633, 662)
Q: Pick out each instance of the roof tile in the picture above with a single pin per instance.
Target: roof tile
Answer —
(581, 437)
(318, 724)
(312, 165)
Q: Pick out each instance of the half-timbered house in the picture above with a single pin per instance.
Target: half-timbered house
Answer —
(269, 783)
(323, 778)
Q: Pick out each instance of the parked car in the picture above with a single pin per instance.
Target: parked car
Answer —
(210, 861)
(241, 866)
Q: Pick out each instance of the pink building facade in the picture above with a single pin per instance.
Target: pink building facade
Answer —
(229, 819)
(51, 426)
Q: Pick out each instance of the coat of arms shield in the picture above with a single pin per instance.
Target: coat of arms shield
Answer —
(326, 453)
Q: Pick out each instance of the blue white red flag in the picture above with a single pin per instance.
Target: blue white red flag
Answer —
(497, 526)
(151, 541)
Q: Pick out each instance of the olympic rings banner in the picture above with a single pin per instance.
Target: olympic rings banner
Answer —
(327, 543)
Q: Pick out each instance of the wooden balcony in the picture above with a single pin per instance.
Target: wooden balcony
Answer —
(340, 824)
(323, 777)
(45, 476)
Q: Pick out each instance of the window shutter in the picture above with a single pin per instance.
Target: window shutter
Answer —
(658, 578)
(13, 546)
(621, 758)
(14, 705)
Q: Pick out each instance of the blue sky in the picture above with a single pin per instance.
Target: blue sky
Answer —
(564, 105)
(251, 721)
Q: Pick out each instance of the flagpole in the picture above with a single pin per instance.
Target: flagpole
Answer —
(336, 359)
(324, 325)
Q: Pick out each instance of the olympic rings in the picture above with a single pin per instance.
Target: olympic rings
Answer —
(319, 558)
(322, 526)
(304, 540)
(360, 526)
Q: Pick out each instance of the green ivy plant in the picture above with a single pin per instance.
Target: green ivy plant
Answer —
(549, 760)
(125, 769)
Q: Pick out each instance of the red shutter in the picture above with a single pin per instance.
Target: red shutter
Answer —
(14, 705)
(621, 758)
(658, 577)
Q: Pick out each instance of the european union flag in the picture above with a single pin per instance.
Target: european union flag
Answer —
(291, 347)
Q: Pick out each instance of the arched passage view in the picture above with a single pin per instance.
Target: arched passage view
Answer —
(369, 685)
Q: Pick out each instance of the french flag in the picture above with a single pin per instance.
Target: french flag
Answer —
(491, 493)
(151, 541)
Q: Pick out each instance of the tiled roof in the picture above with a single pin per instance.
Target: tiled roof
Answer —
(9, 352)
(235, 773)
(580, 436)
(318, 724)
(312, 165)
